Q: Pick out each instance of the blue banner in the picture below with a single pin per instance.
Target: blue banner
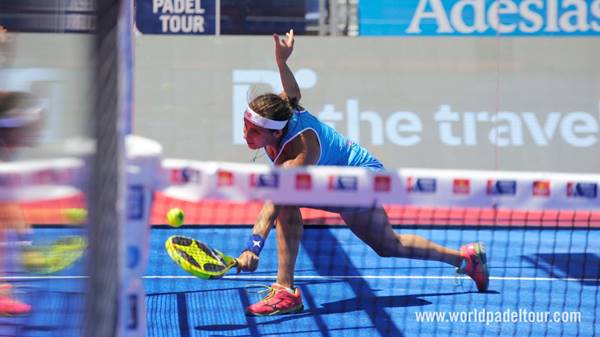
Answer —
(175, 16)
(480, 17)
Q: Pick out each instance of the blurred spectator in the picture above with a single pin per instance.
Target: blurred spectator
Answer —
(20, 118)
(6, 47)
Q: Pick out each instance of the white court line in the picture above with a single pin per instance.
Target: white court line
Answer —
(25, 278)
(318, 277)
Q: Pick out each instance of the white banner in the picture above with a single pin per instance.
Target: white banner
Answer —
(351, 186)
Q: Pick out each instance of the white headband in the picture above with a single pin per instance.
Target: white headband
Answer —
(28, 116)
(261, 121)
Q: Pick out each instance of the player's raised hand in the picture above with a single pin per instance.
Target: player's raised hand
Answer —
(284, 46)
(3, 35)
(6, 46)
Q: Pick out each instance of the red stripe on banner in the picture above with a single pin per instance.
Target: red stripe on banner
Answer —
(230, 213)
(213, 212)
(50, 212)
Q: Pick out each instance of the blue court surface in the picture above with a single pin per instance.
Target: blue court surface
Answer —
(349, 291)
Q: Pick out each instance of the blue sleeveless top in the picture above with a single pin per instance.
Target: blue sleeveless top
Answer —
(336, 150)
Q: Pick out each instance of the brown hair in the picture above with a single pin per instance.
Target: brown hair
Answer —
(8, 101)
(14, 104)
(275, 107)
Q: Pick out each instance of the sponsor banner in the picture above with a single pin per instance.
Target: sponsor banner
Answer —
(266, 180)
(303, 182)
(352, 186)
(586, 190)
(501, 187)
(480, 17)
(421, 185)
(192, 17)
(184, 175)
(424, 106)
(541, 188)
(67, 171)
(382, 183)
(343, 183)
(199, 17)
(461, 186)
(225, 178)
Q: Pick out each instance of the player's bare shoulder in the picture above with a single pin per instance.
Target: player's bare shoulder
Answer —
(305, 147)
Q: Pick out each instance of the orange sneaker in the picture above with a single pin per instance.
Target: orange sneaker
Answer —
(12, 307)
(279, 301)
(475, 265)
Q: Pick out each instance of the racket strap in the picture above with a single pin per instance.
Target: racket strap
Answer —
(255, 244)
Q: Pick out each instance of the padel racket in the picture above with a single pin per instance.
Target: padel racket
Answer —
(197, 258)
(53, 257)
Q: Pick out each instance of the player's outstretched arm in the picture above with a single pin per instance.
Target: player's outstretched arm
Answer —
(283, 50)
(248, 260)
(301, 151)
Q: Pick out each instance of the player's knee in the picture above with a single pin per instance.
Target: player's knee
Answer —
(384, 252)
(385, 249)
(289, 215)
(391, 248)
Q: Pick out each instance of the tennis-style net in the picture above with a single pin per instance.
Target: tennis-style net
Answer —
(538, 230)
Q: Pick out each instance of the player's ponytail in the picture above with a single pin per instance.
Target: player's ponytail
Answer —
(293, 102)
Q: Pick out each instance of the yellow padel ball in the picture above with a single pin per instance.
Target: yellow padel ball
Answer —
(76, 215)
(175, 217)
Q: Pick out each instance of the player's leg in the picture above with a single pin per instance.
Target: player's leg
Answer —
(283, 298)
(289, 232)
(10, 218)
(374, 228)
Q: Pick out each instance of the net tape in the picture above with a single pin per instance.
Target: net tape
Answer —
(352, 186)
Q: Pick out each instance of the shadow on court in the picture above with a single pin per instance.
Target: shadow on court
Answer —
(368, 305)
(582, 266)
(54, 313)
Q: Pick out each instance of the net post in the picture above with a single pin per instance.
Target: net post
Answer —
(107, 190)
(111, 113)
